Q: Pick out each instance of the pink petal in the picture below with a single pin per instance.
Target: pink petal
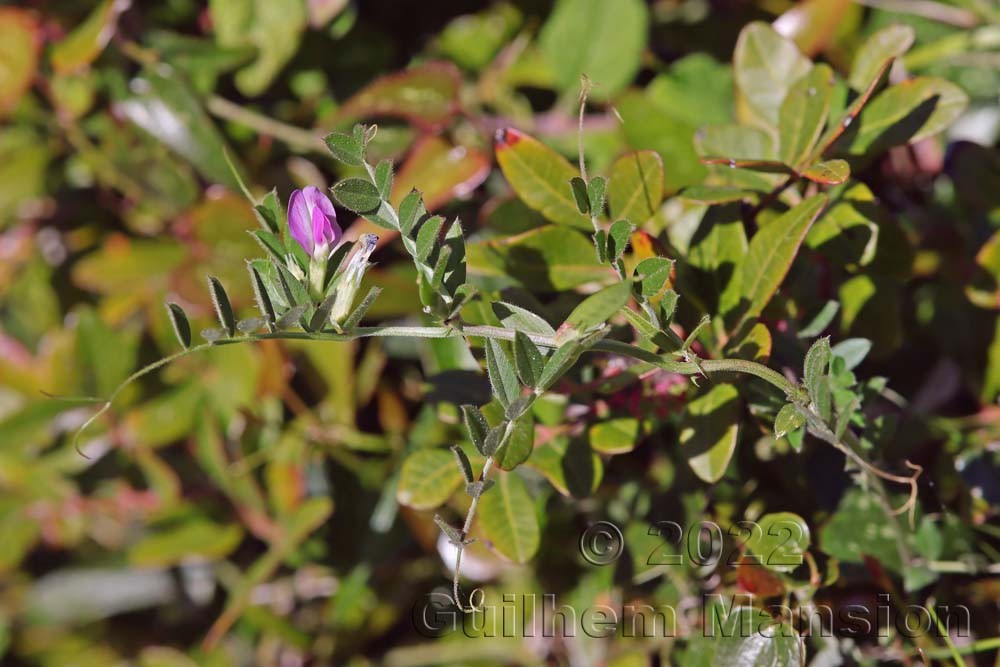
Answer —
(322, 232)
(317, 199)
(299, 224)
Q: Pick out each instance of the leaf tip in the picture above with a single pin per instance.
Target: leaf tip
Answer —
(506, 137)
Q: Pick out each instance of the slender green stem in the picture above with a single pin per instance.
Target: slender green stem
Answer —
(295, 137)
(943, 631)
(471, 514)
(793, 392)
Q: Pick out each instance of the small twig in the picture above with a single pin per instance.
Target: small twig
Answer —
(296, 137)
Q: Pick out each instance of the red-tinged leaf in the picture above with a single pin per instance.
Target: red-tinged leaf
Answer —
(836, 129)
(426, 96)
(830, 172)
(540, 177)
(441, 171)
(82, 46)
(906, 113)
(888, 43)
(812, 24)
(19, 44)
(766, 166)
(758, 580)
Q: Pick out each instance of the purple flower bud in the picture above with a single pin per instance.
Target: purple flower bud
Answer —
(313, 222)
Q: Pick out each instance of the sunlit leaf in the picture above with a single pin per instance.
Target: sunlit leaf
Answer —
(709, 432)
(601, 40)
(635, 186)
(803, 114)
(426, 95)
(507, 519)
(905, 113)
(889, 42)
(87, 40)
(539, 176)
(19, 45)
(766, 65)
(427, 479)
(769, 257)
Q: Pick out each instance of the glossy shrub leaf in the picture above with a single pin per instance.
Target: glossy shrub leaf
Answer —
(503, 377)
(717, 248)
(906, 113)
(426, 95)
(569, 465)
(821, 320)
(828, 172)
(598, 308)
(852, 350)
(848, 233)
(766, 66)
(737, 142)
(539, 176)
(507, 519)
(601, 40)
(441, 171)
(780, 543)
(655, 125)
(848, 118)
(82, 46)
(635, 186)
(788, 419)
(19, 46)
(618, 435)
(180, 324)
(859, 530)
(164, 107)
(358, 195)
(715, 194)
(223, 308)
(527, 360)
(427, 479)
(195, 538)
(803, 114)
(547, 259)
(888, 43)
(709, 431)
(769, 257)
(272, 28)
(812, 24)
(743, 637)
(297, 526)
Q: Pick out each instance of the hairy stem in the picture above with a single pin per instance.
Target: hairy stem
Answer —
(848, 443)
